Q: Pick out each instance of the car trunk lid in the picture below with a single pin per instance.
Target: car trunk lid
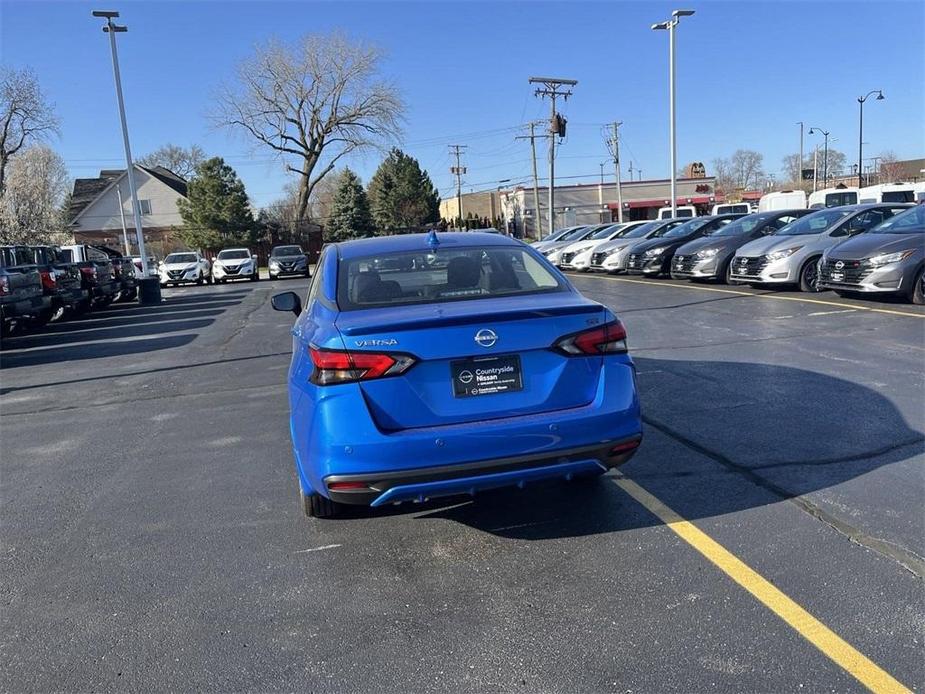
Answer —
(475, 359)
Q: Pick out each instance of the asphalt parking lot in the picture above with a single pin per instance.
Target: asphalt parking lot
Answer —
(152, 538)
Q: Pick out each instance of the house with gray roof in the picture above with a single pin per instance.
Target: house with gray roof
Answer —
(96, 217)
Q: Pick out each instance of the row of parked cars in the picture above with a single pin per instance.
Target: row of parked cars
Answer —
(874, 248)
(39, 283)
(185, 267)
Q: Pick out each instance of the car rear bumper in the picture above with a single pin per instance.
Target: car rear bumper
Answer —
(469, 478)
(334, 435)
(25, 307)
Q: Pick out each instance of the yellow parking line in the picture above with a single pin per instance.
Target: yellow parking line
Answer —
(762, 296)
(834, 647)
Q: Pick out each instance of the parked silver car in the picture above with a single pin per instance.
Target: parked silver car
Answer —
(791, 256)
(611, 256)
(888, 259)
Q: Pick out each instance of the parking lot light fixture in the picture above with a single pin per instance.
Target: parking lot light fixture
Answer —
(825, 153)
(670, 26)
(112, 29)
(861, 100)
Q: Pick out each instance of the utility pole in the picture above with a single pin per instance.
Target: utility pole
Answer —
(600, 192)
(551, 88)
(150, 291)
(615, 152)
(631, 170)
(536, 185)
(458, 171)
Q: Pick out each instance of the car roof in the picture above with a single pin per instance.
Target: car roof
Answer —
(419, 242)
(235, 249)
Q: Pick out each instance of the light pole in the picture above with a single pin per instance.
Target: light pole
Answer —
(800, 162)
(670, 25)
(149, 288)
(861, 100)
(825, 153)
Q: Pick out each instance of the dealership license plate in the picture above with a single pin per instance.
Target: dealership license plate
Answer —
(837, 276)
(486, 376)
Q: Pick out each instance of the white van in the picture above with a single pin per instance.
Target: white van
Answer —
(732, 208)
(782, 200)
(833, 197)
(682, 211)
(888, 192)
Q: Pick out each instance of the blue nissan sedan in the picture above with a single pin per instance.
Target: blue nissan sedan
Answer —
(428, 365)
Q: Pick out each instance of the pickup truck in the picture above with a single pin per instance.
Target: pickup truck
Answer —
(61, 281)
(123, 269)
(21, 296)
(96, 272)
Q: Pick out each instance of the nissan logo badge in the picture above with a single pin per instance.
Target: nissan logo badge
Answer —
(486, 337)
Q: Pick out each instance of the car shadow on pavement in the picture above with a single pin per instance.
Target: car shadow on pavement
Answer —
(720, 438)
(109, 332)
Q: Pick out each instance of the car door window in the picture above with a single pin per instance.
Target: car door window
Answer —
(865, 221)
(315, 286)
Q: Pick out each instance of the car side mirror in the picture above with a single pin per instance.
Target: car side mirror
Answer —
(287, 301)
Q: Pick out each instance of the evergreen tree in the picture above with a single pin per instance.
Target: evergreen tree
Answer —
(350, 216)
(216, 211)
(401, 194)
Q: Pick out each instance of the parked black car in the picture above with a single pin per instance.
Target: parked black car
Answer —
(710, 257)
(60, 280)
(653, 257)
(21, 296)
(96, 272)
(288, 260)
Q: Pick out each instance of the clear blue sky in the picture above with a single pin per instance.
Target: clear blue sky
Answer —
(747, 72)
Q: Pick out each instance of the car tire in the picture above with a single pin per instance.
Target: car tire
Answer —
(271, 276)
(255, 276)
(317, 506)
(917, 295)
(210, 279)
(809, 276)
(200, 280)
(725, 276)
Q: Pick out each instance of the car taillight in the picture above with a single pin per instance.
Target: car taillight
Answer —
(334, 366)
(4, 286)
(609, 338)
(90, 272)
(49, 281)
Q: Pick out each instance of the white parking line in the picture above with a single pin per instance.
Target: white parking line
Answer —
(316, 549)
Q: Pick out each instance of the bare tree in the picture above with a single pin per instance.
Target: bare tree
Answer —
(312, 103)
(182, 161)
(747, 168)
(31, 205)
(25, 115)
(722, 171)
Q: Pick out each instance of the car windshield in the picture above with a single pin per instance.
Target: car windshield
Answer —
(640, 231)
(741, 226)
(908, 222)
(686, 228)
(234, 255)
(560, 233)
(281, 251)
(174, 258)
(398, 279)
(605, 232)
(815, 223)
(574, 235)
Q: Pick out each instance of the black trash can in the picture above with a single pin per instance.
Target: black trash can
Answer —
(149, 291)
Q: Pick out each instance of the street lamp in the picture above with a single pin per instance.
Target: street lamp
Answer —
(825, 153)
(670, 27)
(149, 288)
(861, 100)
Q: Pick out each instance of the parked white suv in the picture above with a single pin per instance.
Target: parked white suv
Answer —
(185, 266)
(235, 264)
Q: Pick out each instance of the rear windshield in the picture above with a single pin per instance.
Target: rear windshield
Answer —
(180, 258)
(286, 250)
(234, 255)
(908, 222)
(814, 223)
(397, 279)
